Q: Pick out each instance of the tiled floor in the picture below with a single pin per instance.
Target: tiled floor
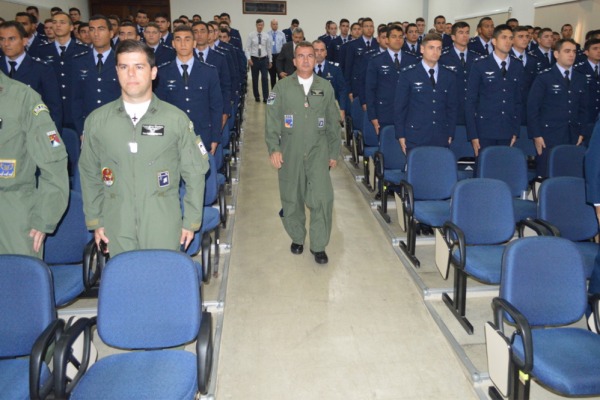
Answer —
(356, 328)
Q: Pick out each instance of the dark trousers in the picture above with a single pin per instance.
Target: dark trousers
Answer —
(273, 71)
(260, 65)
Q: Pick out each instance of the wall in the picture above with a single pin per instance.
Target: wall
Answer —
(8, 9)
(312, 14)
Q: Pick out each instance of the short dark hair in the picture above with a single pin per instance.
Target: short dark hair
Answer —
(99, 17)
(81, 25)
(197, 15)
(411, 25)
(55, 9)
(544, 30)
(303, 43)
(115, 17)
(508, 21)
(141, 11)
(295, 21)
(183, 28)
(366, 19)
(205, 24)
(14, 24)
(182, 16)
(224, 14)
(589, 43)
(438, 17)
(563, 27)
(135, 46)
(37, 10)
(75, 9)
(382, 29)
(259, 20)
(162, 15)
(459, 25)
(354, 24)
(420, 19)
(394, 28)
(592, 33)
(430, 37)
(561, 42)
(344, 20)
(66, 15)
(537, 29)
(520, 28)
(482, 20)
(152, 24)
(224, 30)
(47, 20)
(32, 18)
(499, 29)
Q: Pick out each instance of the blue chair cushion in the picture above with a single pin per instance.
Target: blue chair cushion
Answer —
(464, 174)
(220, 180)
(211, 218)
(394, 176)
(14, 378)
(369, 151)
(433, 213)
(566, 360)
(158, 374)
(68, 282)
(524, 209)
(484, 263)
(589, 252)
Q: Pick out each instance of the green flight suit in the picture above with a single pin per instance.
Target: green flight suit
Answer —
(306, 130)
(29, 140)
(130, 176)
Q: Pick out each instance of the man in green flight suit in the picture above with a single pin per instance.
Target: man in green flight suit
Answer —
(303, 139)
(135, 151)
(31, 207)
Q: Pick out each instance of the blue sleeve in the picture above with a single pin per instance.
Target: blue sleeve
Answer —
(371, 90)
(452, 106)
(216, 105)
(51, 94)
(473, 85)
(77, 99)
(534, 107)
(401, 104)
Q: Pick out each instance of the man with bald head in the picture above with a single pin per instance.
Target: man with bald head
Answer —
(278, 39)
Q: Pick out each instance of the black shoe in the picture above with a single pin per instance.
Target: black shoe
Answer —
(320, 257)
(257, 100)
(265, 100)
(297, 248)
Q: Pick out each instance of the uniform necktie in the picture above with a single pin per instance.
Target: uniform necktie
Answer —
(521, 58)
(13, 68)
(567, 80)
(368, 44)
(432, 77)
(162, 40)
(344, 40)
(200, 56)
(396, 61)
(63, 49)
(259, 43)
(100, 63)
(487, 50)
(319, 71)
(462, 59)
(503, 69)
(413, 49)
(596, 72)
(184, 67)
(547, 55)
(274, 44)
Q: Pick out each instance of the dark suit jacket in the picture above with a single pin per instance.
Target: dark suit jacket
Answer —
(451, 60)
(476, 46)
(288, 34)
(285, 59)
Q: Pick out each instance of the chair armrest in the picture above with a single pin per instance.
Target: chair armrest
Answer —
(539, 180)
(379, 163)
(594, 300)
(454, 236)
(204, 352)
(552, 230)
(539, 229)
(502, 307)
(38, 358)
(93, 263)
(63, 356)
(408, 197)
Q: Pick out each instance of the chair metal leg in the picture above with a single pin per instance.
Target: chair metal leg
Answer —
(206, 262)
(458, 305)
(409, 247)
(520, 385)
(217, 251)
(383, 207)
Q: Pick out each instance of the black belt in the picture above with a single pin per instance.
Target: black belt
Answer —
(258, 58)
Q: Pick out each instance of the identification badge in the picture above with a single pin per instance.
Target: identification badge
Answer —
(53, 137)
(201, 147)
(316, 92)
(133, 147)
(321, 122)
(163, 179)
(107, 176)
(8, 168)
(271, 98)
(288, 121)
(153, 130)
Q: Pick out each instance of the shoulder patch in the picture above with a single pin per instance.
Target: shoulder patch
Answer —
(165, 64)
(271, 98)
(544, 71)
(81, 54)
(480, 58)
(446, 51)
(39, 60)
(39, 108)
(473, 39)
(333, 63)
(513, 57)
(408, 68)
(449, 68)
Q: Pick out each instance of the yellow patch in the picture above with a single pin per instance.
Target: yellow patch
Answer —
(39, 108)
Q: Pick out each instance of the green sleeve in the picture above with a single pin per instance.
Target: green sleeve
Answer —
(46, 147)
(274, 120)
(92, 187)
(194, 166)
(333, 126)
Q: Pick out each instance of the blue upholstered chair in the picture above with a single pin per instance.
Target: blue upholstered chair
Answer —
(543, 289)
(72, 255)
(28, 325)
(481, 221)
(390, 164)
(430, 178)
(509, 164)
(370, 145)
(149, 301)
(359, 116)
(566, 160)
(464, 153)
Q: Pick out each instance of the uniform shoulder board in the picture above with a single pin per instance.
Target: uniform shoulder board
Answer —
(446, 51)
(206, 64)
(168, 47)
(531, 53)
(333, 63)
(408, 68)
(81, 54)
(473, 39)
(545, 70)
(39, 60)
(480, 58)
(449, 68)
(473, 53)
(579, 64)
(165, 64)
(513, 57)
(219, 51)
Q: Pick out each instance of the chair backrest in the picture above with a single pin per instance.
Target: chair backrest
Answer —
(483, 209)
(566, 160)
(507, 164)
(393, 156)
(26, 303)
(460, 146)
(525, 144)
(358, 115)
(149, 299)
(432, 172)
(72, 146)
(66, 244)
(544, 278)
(211, 187)
(561, 201)
(370, 137)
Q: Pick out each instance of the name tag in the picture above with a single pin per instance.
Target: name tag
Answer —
(153, 130)
(316, 92)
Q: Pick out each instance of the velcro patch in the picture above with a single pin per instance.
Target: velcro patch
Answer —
(153, 130)
(201, 147)
(39, 108)
(54, 138)
(271, 98)
(8, 168)
(163, 179)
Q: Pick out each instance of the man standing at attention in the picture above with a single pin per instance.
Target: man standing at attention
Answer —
(136, 150)
(259, 58)
(303, 140)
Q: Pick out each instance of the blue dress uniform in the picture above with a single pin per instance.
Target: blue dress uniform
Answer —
(342, 57)
(234, 70)
(451, 60)
(354, 67)
(478, 47)
(380, 85)
(33, 48)
(239, 58)
(423, 114)
(168, 40)
(447, 41)
(493, 107)
(532, 66)
(556, 111)
(64, 73)
(408, 48)
(90, 88)
(237, 38)
(333, 48)
(544, 59)
(164, 54)
(593, 82)
(288, 34)
(39, 76)
(200, 98)
(218, 60)
(334, 75)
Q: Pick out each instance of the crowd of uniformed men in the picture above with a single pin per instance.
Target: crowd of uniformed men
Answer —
(423, 83)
